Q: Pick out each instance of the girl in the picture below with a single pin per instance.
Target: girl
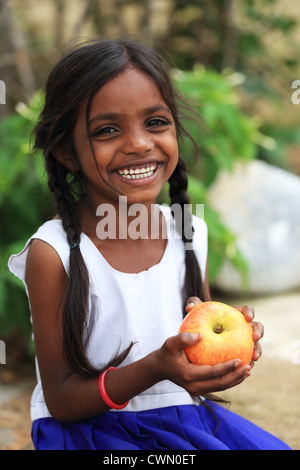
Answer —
(106, 305)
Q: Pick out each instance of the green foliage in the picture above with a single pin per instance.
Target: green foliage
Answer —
(24, 203)
(227, 134)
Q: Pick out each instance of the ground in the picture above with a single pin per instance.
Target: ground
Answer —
(270, 399)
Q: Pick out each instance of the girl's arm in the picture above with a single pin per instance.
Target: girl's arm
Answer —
(73, 397)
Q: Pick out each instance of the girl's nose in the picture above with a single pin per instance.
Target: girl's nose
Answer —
(137, 143)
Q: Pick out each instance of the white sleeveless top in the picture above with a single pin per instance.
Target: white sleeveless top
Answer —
(145, 307)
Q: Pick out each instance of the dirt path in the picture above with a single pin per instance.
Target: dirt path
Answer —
(270, 398)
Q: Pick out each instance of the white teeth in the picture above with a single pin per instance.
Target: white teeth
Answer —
(137, 173)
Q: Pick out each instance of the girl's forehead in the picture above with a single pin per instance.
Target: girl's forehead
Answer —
(132, 81)
(130, 88)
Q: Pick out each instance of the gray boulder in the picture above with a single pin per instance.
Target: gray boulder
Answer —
(260, 203)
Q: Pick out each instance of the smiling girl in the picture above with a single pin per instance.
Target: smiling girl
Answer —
(111, 367)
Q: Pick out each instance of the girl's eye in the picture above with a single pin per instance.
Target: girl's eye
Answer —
(158, 122)
(104, 131)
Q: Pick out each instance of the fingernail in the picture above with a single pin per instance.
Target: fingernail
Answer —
(191, 336)
(190, 305)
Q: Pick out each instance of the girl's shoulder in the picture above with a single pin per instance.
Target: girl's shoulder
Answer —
(53, 233)
(51, 239)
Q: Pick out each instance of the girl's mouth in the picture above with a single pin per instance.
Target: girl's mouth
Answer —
(137, 172)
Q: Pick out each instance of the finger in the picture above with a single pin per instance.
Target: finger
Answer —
(247, 311)
(223, 382)
(188, 339)
(216, 371)
(178, 342)
(257, 352)
(192, 302)
(258, 331)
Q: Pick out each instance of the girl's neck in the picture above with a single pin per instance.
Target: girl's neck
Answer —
(122, 220)
(132, 238)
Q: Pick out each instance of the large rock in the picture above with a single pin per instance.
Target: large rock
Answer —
(260, 203)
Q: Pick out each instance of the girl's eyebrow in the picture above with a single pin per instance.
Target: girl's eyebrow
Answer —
(158, 107)
(146, 111)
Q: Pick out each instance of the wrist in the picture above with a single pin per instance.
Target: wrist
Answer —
(105, 397)
(124, 383)
(154, 366)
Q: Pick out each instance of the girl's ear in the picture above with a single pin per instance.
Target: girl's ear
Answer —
(62, 154)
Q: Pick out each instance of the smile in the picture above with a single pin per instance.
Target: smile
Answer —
(132, 173)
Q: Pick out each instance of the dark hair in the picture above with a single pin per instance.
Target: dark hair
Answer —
(75, 79)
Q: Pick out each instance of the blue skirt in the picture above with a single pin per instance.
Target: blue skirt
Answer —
(185, 427)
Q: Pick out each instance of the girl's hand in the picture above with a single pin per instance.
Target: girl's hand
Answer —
(258, 330)
(173, 364)
(248, 312)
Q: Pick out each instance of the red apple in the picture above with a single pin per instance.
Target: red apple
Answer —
(226, 334)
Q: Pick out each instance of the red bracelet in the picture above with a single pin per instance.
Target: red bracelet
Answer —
(103, 393)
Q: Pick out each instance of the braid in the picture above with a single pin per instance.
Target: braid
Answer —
(65, 201)
(178, 195)
(76, 301)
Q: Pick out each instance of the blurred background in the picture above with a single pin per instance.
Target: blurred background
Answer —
(239, 62)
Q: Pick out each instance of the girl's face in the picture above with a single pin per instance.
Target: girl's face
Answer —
(134, 140)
